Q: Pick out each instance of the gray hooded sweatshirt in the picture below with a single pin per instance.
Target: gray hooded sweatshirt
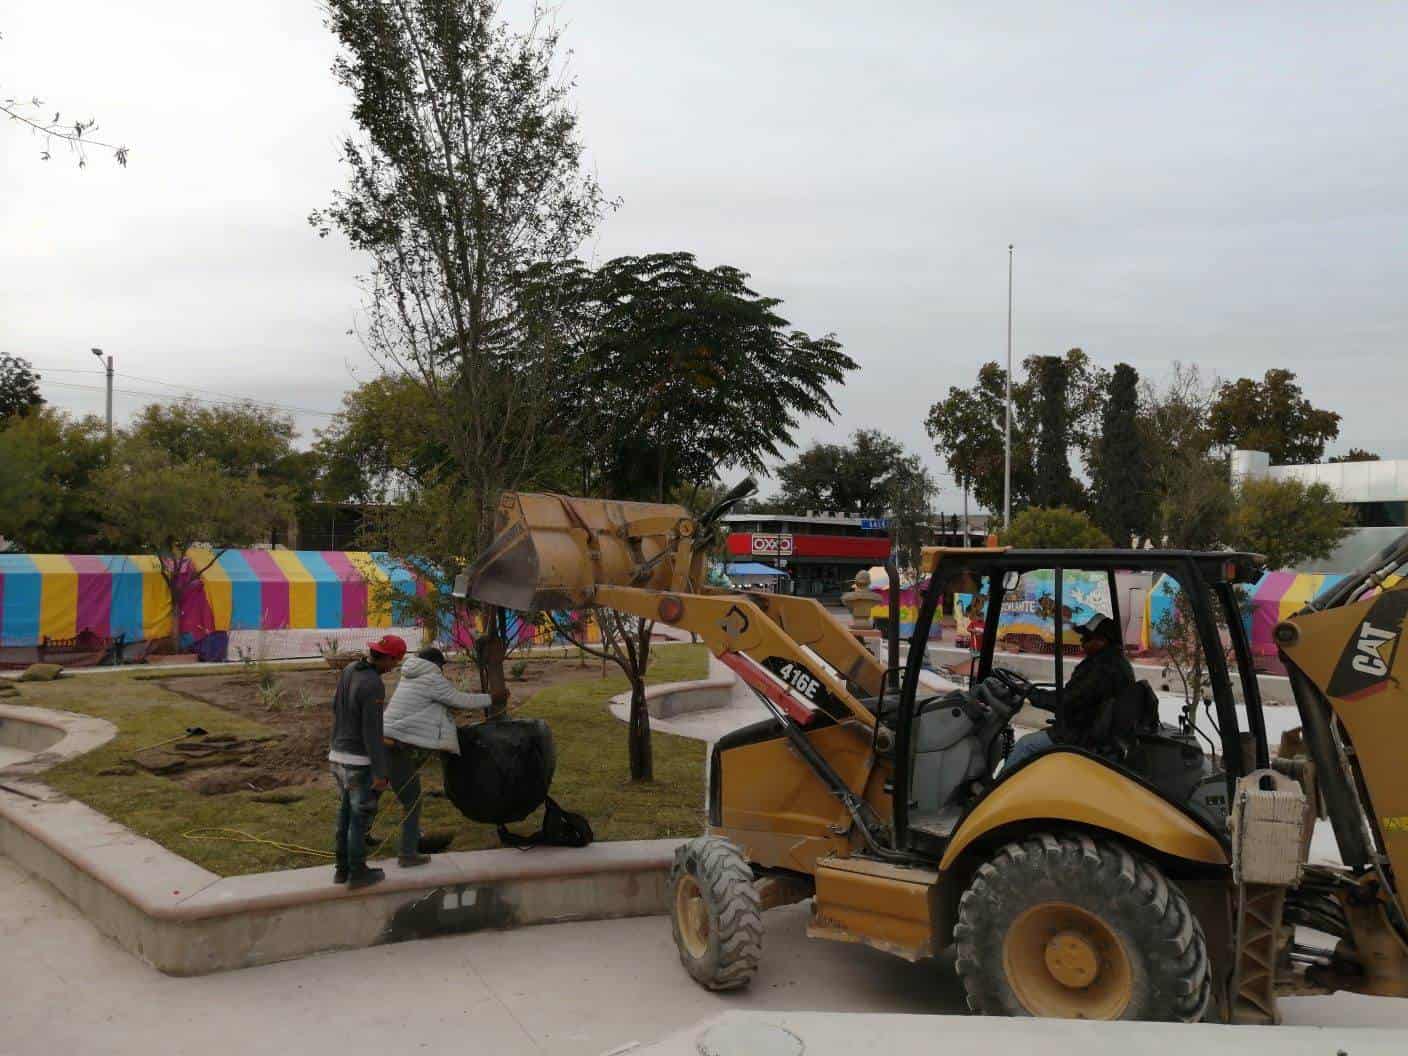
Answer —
(419, 712)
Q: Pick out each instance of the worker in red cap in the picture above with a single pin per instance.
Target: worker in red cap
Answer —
(358, 756)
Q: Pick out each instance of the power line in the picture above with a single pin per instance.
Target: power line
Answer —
(197, 399)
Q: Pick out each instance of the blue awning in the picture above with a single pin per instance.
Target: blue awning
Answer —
(754, 568)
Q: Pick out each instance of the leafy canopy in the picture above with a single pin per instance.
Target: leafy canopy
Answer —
(679, 372)
(47, 463)
(1272, 415)
(19, 387)
(1288, 521)
(1057, 528)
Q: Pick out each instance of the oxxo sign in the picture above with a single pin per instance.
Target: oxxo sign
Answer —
(772, 546)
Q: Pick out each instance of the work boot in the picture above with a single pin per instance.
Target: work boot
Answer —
(339, 875)
(410, 861)
(365, 877)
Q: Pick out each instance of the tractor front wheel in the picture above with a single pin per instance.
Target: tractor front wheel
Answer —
(1078, 928)
(715, 913)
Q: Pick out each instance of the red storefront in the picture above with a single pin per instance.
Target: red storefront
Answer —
(821, 554)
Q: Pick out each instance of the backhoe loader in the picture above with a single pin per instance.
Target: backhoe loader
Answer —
(1160, 874)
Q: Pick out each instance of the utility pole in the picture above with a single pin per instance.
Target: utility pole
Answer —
(99, 353)
(1007, 446)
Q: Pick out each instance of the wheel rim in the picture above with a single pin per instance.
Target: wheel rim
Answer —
(1064, 961)
(692, 916)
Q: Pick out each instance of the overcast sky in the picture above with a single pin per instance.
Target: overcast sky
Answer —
(1224, 184)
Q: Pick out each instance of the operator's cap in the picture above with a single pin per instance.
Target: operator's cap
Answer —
(391, 645)
(1100, 627)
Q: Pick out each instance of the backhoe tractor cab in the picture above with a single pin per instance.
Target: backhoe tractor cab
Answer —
(1141, 870)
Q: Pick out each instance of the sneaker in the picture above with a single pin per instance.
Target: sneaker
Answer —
(366, 878)
(410, 861)
(339, 875)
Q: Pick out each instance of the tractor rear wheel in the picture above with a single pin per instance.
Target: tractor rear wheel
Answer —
(1079, 928)
(715, 913)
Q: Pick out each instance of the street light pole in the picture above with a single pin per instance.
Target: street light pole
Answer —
(1007, 444)
(99, 353)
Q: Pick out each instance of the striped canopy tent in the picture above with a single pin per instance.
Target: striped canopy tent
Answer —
(271, 590)
(60, 597)
(1276, 596)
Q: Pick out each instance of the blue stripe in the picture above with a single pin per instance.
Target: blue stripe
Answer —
(246, 597)
(403, 585)
(19, 617)
(127, 595)
(328, 587)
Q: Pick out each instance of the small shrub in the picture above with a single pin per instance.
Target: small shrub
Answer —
(518, 669)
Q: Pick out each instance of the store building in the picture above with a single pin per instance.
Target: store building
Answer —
(823, 552)
(1377, 492)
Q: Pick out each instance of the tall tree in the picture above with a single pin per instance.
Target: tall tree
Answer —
(468, 171)
(155, 504)
(1053, 484)
(19, 387)
(47, 464)
(1272, 415)
(1122, 480)
(681, 372)
(1287, 521)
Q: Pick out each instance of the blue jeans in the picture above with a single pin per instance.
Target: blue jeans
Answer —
(354, 814)
(1030, 745)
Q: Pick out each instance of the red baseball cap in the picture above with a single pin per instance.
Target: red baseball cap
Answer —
(389, 645)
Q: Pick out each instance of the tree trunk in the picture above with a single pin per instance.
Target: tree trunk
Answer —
(177, 600)
(642, 761)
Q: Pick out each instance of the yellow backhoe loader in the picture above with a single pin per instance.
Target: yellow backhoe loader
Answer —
(1161, 873)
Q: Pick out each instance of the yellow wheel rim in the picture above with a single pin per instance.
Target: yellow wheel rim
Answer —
(1063, 961)
(692, 916)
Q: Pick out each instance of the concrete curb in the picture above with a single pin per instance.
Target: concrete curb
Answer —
(669, 700)
(185, 920)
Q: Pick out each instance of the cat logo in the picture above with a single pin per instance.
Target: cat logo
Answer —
(1366, 666)
(735, 622)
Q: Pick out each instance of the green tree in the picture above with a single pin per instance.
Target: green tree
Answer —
(680, 372)
(1122, 484)
(1288, 521)
(47, 464)
(19, 387)
(1272, 415)
(154, 504)
(467, 170)
(968, 425)
(1355, 454)
(1056, 528)
(1053, 484)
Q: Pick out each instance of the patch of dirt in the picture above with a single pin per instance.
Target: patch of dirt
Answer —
(297, 705)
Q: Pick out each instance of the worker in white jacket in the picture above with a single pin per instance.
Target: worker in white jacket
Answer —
(418, 723)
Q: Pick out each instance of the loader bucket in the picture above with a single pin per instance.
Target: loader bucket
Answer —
(541, 557)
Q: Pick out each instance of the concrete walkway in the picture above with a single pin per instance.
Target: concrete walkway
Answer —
(563, 989)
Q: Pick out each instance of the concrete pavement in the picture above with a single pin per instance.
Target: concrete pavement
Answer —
(561, 989)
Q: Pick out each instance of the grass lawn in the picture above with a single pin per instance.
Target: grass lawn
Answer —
(592, 771)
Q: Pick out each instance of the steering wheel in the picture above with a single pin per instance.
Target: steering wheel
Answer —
(1020, 686)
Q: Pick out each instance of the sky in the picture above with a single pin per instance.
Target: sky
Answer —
(1214, 183)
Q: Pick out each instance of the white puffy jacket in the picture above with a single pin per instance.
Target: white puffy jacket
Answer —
(419, 711)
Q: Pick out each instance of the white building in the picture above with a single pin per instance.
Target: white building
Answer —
(1377, 491)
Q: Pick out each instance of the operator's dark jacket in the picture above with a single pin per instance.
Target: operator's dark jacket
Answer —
(357, 713)
(1096, 683)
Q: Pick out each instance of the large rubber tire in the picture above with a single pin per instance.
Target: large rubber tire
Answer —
(1066, 925)
(715, 913)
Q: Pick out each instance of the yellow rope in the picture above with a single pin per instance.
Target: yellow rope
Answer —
(213, 833)
(240, 836)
